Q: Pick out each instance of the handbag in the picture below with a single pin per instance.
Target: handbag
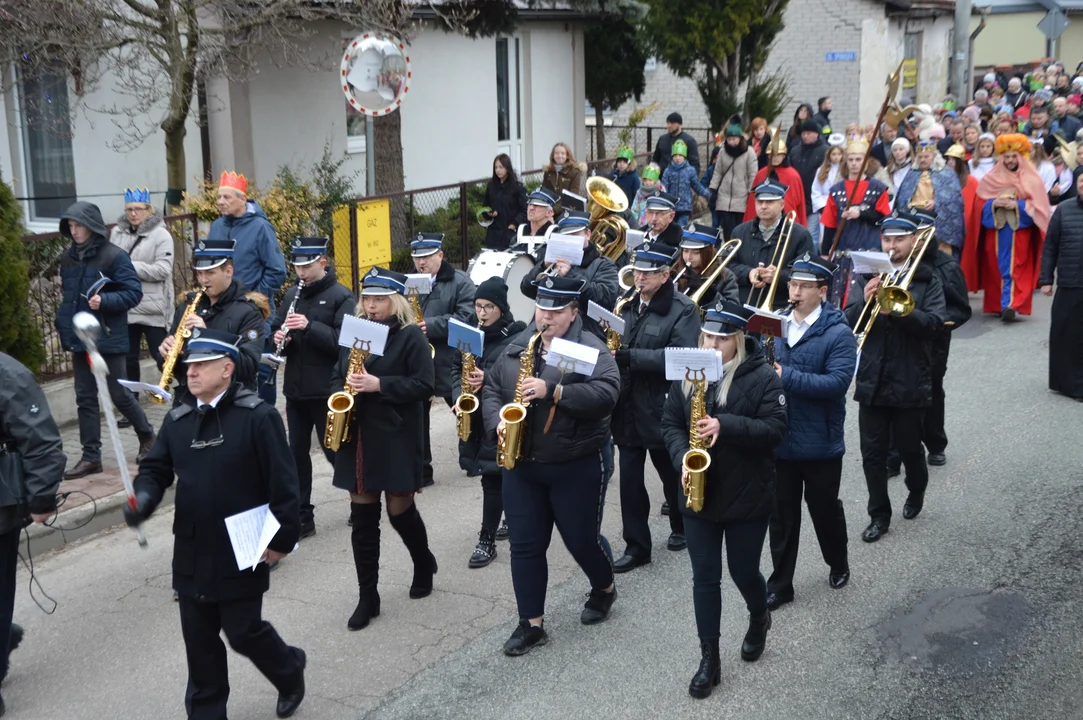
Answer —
(12, 479)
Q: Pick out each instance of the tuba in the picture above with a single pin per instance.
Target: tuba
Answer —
(467, 403)
(696, 460)
(169, 362)
(509, 444)
(340, 405)
(608, 230)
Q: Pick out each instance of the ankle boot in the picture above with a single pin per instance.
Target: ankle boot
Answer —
(709, 673)
(411, 528)
(484, 551)
(365, 539)
(756, 637)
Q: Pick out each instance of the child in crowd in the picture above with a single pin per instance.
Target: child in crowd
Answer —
(681, 180)
(649, 185)
(624, 173)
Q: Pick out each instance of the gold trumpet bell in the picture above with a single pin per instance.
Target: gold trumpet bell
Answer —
(897, 301)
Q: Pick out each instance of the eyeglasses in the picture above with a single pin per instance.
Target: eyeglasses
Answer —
(484, 307)
(794, 285)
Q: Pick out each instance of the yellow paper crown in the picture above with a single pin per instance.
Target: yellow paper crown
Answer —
(1013, 142)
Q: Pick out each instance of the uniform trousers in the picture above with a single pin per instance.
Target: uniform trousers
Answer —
(267, 393)
(933, 434)
(570, 496)
(301, 417)
(635, 503)
(819, 481)
(86, 398)
(1066, 343)
(248, 634)
(9, 562)
(879, 426)
(744, 544)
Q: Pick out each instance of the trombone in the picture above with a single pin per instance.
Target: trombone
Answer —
(730, 248)
(893, 294)
(766, 299)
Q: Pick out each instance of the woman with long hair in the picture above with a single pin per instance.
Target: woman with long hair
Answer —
(793, 137)
(759, 135)
(898, 165)
(562, 173)
(384, 453)
(825, 179)
(983, 160)
(505, 197)
(744, 422)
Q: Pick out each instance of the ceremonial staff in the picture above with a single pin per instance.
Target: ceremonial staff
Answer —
(88, 328)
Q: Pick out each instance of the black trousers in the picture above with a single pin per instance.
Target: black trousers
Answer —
(154, 336)
(301, 417)
(426, 470)
(9, 561)
(878, 426)
(492, 501)
(744, 544)
(635, 503)
(727, 220)
(86, 398)
(267, 393)
(1066, 343)
(248, 633)
(819, 481)
(570, 496)
(933, 434)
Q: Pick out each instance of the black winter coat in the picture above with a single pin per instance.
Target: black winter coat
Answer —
(895, 366)
(452, 296)
(477, 455)
(390, 422)
(741, 480)
(508, 200)
(756, 251)
(806, 160)
(1062, 253)
(311, 353)
(78, 273)
(602, 283)
(726, 285)
(251, 467)
(669, 320)
(672, 235)
(580, 424)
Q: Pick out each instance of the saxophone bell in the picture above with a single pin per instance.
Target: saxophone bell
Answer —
(509, 442)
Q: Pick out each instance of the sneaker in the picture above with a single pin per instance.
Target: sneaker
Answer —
(597, 606)
(525, 637)
(123, 423)
(484, 551)
(502, 531)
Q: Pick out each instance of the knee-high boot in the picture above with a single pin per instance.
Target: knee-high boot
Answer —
(365, 539)
(411, 528)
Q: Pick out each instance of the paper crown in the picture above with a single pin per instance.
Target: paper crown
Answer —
(1013, 142)
(136, 195)
(857, 147)
(233, 180)
(680, 148)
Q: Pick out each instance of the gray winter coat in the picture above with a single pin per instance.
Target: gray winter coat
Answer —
(733, 178)
(150, 247)
(452, 296)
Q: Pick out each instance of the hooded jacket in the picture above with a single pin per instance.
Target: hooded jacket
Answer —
(806, 160)
(82, 266)
(452, 296)
(257, 260)
(150, 247)
(681, 181)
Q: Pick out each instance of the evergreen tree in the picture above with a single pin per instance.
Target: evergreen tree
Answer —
(19, 336)
(614, 60)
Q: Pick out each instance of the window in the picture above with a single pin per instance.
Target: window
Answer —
(503, 102)
(518, 96)
(50, 163)
(911, 64)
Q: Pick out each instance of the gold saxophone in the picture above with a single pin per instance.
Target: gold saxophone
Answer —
(612, 337)
(467, 403)
(169, 362)
(697, 459)
(509, 444)
(419, 317)
(340, 405)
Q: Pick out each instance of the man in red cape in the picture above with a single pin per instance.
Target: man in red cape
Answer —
(786, 175)
(1015, 214)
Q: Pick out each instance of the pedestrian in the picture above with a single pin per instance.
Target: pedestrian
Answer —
(663, 149)
(660, 318)
(898, 166)
(681, 180)
(557, 478)
(505, 197)
(699, 246)
(816, 364)
(931, 184)
(227, 450)
(826, 176)
(744, 422)
(382, 454)
(649, 185)
(258, 260)
(624, 173)
(983, 160)
(781, 172)
(451, 296)
(31, 465)
(562, 173)
(98, 277)
(477, 454)
(142, 234)
(539, 214)
(759, 135)
(731, 182)
(1062, 262)
(307, 328)
(823, 115)
(793, 135)
(806, 159)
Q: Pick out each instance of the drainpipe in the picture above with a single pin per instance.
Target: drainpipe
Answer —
(965, 97)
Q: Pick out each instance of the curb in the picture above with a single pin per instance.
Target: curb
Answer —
(88, 519)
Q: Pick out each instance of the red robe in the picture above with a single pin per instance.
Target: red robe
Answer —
(1004, 262)
(972, 207)
(795, 193)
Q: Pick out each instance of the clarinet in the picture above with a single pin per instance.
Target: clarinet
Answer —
(276, 360)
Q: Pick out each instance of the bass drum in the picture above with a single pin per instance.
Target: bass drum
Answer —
(511, 267)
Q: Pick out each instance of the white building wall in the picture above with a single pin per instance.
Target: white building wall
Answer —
(553, 90)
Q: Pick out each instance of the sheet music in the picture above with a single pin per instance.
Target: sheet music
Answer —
(147, 387)
(465, 338)
(250, 534)
(421, 283)
(869, 262)
(680, 361)
(561, 248)
(572, 357)
(604, 317)
(367, 331)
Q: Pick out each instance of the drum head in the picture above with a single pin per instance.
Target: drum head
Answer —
(511, 267)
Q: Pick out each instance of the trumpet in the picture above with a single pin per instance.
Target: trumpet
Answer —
(340, 405)
(892, 295)
(766, 298)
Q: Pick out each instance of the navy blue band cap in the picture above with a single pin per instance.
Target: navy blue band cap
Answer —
(925, 217)
(381, 281)
(770, 190)
(898, 224)
(574, 221)
(557, 293)
(209, 254)
(206, 344)
(661, 201)
(653, 256)
(698, 236)
(307, 250)
(812, 269)
(543, 197)
(426, 243)
(726, 319)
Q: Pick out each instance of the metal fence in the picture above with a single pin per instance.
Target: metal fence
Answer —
(45, 250)
(642, 139)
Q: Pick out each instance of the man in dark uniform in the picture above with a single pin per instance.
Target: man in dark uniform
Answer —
(660, 318)
(698, 247)
(311, 351)
(226, 305)
(760, 240)
(660, 213)
(228, 451)
(31, 465)
(894, 379)
(816, 365)
(452, 296)
(539, 214)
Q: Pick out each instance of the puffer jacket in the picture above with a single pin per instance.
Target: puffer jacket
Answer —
(1062, 254)
(81, 267)
(580, 421)
(477, 454)
(816, 373)
(740, 483)
(602, 283)
(570, 177)
(452, 296)
(150, 247)
(681, 181)
(257, 260)
(732, 179)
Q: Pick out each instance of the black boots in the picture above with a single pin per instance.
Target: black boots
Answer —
(365, 538)
(411, 529)
(756, 637)
(525, 637)
(709, 673)
(485, 550)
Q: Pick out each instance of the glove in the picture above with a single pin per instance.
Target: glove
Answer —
(135, 517)
(623, 357)
(712, 201)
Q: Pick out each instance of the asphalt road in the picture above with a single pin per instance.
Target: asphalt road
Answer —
(970, 611)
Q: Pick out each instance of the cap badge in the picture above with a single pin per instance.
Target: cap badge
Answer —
(549, 282)
(806, 257)
(201, 246)
(297, 243)
(252, 334)
(373, 272)
(195, 333)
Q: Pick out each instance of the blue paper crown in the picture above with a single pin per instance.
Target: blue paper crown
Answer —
(137, 195)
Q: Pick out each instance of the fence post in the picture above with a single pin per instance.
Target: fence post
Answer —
(353, 249)
(463, 227)
(650, 133)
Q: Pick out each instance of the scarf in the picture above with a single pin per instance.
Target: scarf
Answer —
(1025, 183)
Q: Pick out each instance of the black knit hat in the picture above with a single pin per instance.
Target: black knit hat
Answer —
(495, 291)
(810, 126)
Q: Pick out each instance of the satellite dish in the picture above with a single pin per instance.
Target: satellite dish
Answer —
(375, 73)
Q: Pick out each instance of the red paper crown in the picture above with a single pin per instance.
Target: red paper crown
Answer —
(233, 180)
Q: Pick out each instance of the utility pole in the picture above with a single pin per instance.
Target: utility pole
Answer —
(960, 60)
